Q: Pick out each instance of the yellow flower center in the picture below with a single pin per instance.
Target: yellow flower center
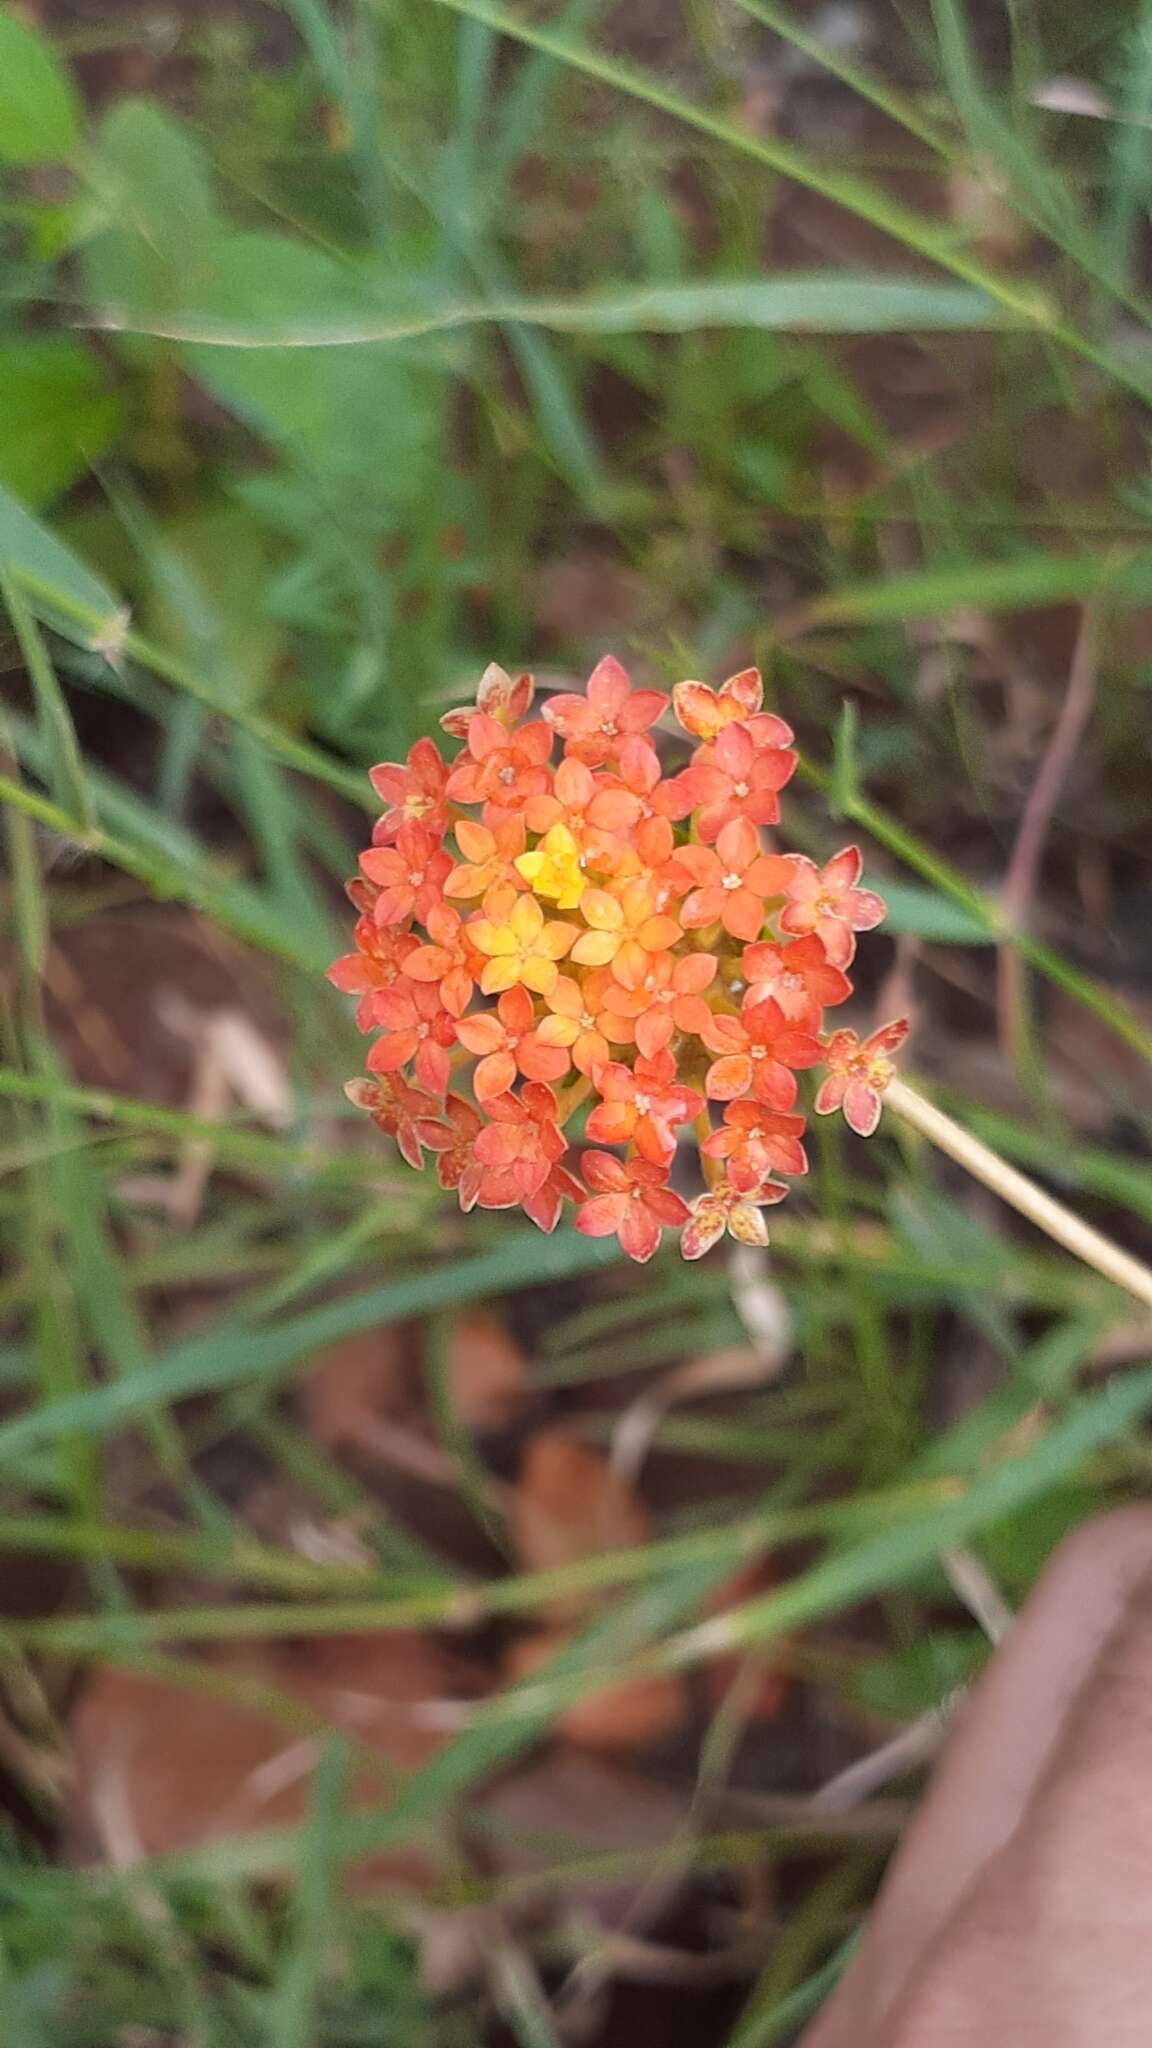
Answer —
(731, 881)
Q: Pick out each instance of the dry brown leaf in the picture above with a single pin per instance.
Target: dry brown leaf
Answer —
(569, 1504)
(568, 1805)
(623, 1714)
(359, 1395)
(488, 1371)
(161, 1768)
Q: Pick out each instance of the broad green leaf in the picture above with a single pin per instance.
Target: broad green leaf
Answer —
(39, 109)
(154, 188)
(363, 421)
(57, 415)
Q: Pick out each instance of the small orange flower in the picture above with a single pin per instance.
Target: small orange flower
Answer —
(545, 1206)
(624, 931)
(594, 723)
(826, 901)
(797, 976)
(506, 1044)
(489, 857)
(732, 1209)
(450, 961)
(704, 712)
(502, 770)
(400, 1111)
(586, 806)
(413, 791)
(758, 1053)
(417, 1030)
(858, 1073)
(733, 778)
(730, 882)
(670, 998)
(519, 1148)
(374, 965)
(757, 1142)
(641, 1106)
(517, 943)
(453, 1139)
(498, 697)
(583, 1020)
(640, 776)
(630, 1200)
(410, 875)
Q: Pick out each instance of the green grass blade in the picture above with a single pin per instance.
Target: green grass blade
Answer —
(78, 619)
(211, 1364)
(895, 1556)
(798, 302)
(293, 2021)
(64, 767)
(1032, 579)
(1130, 179)
(826, 54)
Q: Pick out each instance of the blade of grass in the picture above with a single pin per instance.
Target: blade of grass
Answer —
(827, 55)
(236, 907)
(1130, 179)
(208, 1364)
(89, 624)
(868, 202)
(796, 303)
(893, 1557)
(1033, 579)
(293, 2020)
(66, 778)
(55, 1334)
(257, 1149)
(452, 1604)
(983, 908)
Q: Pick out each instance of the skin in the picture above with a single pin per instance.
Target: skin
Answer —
(1019, 1909)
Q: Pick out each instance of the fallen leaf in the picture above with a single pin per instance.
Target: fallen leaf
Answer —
(361, 1395)
(568, 1505)
(488, 1372)
(622, 1714)
(161, 1768)
(570, 1806)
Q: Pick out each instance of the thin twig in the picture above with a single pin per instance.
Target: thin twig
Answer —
(1024, 866)
(1013, 1187)
(913, 1746)
(976, 1589)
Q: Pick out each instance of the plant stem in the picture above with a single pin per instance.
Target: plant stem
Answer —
(1048, 1215)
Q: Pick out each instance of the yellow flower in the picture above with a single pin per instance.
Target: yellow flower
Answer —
(554, 869)
(519, 945)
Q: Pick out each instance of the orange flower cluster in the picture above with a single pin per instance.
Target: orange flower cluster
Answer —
(593, 932)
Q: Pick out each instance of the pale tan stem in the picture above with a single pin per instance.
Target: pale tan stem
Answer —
(1060, 1223)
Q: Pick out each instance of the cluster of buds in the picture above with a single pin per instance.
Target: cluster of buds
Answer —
(594, 933)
